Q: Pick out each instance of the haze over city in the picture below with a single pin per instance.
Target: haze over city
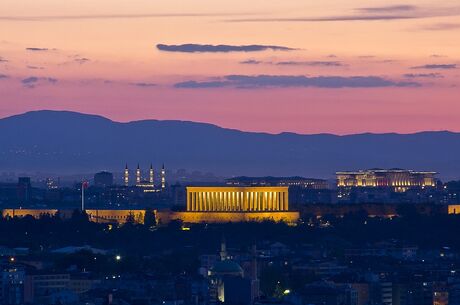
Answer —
(203, 152)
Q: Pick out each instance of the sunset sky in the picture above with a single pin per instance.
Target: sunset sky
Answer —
(329, 66)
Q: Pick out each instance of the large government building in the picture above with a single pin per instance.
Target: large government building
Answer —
(399, 179)
(237, 199)
(236, 204)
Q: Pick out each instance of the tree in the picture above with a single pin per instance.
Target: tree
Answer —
(149, 218)
(272, 281)
(130, 218)
(79, 216)
(407, 210)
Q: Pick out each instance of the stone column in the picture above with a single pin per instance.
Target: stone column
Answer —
(277, 201)
(213, 201)
(195, 201)
(202, 198)
(264, 201)
(272, 201)
(286, 201)
(282, 201)
(232, 201)
(192, 201)
(259, 202)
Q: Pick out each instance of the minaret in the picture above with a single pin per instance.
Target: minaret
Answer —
(126, 175)
(138, 174)
(254, 262)
(255, 284)
(223, 249)
(163, 177)
(151, 176)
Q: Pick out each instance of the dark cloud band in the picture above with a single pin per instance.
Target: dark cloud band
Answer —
(388, 9)
(423, 75)
(143, 85)
(222, 48)
(396, 12)
(294, 63)
(437, 67)
(286, 81)
(310, 63)
(37, 49)
(33, 81)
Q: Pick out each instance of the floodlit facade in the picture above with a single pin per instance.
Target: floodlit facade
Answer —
(300, 182)
(237, 204)
(94, 215)
(204, 205)
(237, 199)
(399, 179)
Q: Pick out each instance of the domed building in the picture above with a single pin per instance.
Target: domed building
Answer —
(222, 270)
(226, 268)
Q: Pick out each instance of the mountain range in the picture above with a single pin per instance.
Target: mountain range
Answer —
(70, 142)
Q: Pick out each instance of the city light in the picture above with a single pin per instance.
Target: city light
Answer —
(309, 144)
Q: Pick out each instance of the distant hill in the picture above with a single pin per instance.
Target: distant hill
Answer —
(69, 142)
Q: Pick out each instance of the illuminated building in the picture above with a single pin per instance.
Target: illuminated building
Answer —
(399, 179)
(126, 178)
(453, 209)
(152, 176)
(146, 187)
(237, 199)
(51, 184)
(148, 184)
(237, 204)
(301, 182)
(204, 205)
(302, 191)
(12, 285)
(138, 174)
(95, 215)
(163, 177)
(223, 269)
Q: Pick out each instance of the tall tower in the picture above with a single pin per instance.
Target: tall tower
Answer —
(138, 174)
(126, 179)
(223, 249)
(255, 283)
(163, 177)
(152, 175)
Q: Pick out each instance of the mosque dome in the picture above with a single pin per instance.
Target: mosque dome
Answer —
(227, 267)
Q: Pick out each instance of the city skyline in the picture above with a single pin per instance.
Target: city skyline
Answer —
(335, 67)
(265, 152)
